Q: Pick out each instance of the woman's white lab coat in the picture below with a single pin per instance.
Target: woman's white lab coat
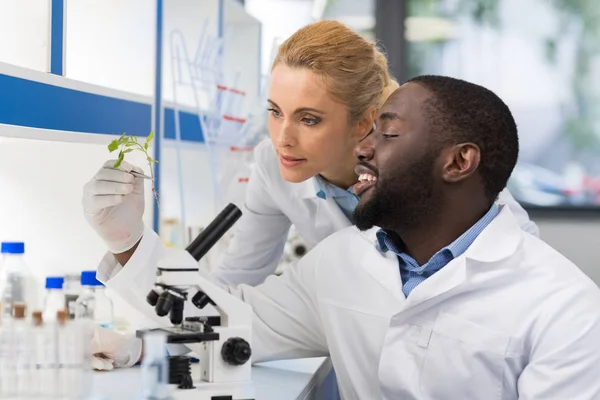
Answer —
(273, 204)
(509, 319)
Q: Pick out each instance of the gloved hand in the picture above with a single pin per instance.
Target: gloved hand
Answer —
(113, 204)
(111, 349)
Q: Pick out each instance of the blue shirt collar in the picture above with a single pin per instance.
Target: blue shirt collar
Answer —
(456, 248)
(324, 189)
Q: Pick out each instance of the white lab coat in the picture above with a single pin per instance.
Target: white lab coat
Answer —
(511, 318)
(273, 204)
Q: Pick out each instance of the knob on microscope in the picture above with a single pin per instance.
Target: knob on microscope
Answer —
(236, 351)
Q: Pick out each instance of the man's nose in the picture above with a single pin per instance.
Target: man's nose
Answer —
(364, 149)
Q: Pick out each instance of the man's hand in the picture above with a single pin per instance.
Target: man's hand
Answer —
(111, 349)
(113, 204)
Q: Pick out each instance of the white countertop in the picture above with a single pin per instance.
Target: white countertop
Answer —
(277, 380)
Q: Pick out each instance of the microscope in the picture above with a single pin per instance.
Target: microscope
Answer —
(223, 342)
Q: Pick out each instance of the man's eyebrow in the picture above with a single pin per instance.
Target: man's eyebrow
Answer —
(389, 116)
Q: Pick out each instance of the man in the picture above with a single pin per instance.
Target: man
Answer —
(450, 299)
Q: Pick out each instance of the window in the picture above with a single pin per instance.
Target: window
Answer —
(542, 57)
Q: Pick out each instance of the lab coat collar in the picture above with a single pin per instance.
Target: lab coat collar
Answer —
(307, 189)
(499, 240)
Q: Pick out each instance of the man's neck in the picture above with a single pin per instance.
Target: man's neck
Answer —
(438, 231)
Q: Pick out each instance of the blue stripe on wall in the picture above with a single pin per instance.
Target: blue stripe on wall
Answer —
(38, 105)
(158, 110)
(56, 37)
(189, 126)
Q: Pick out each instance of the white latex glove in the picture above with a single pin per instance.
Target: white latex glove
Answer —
(113, 348)
(113, 204)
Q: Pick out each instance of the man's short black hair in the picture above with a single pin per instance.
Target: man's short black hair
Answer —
(461, 111)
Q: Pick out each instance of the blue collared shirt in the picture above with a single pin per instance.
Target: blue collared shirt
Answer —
(345, 199)
(412, 273)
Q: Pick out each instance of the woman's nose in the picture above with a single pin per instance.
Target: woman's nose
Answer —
(285, 136)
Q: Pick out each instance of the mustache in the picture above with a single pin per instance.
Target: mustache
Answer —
(369, 166)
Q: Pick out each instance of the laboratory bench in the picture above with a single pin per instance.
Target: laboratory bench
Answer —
(276, 380)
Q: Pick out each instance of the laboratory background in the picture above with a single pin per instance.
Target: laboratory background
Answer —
(77, 74)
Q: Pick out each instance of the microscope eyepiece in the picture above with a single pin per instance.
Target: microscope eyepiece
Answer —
(152, 297)
(164, 304)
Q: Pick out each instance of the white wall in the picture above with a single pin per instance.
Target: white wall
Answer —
(575, 238)
(24, 33)
(280, 19)
(111, 43)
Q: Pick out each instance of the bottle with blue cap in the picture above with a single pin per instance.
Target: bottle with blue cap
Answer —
(93, 303)
(17, 282)
(55, 298)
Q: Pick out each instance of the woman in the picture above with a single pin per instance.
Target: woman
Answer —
(326, 85)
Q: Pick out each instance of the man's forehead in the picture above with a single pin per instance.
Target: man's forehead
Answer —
(407, 98)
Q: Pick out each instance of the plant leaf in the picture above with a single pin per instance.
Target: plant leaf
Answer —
(127, 151)
(112, 146)
(119, 160)
(146, 146)
(150, 137)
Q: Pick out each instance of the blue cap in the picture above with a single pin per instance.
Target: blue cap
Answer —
(13, 247)
(88, 278)
(54, 282)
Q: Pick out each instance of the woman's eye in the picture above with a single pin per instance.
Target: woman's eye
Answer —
(386, 136)
(274, 112)
(310, 121)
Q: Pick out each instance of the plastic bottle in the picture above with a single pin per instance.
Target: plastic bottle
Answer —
(73, 354)
(93, 304)
(44, 379)
(18, 283)
(22, 349)
(71, 290)
(55, 298)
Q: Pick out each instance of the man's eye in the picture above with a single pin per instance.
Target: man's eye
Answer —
(274, 112)
(388, 136)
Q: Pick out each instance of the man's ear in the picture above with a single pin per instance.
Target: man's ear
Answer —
(365, 124)
(461, 161)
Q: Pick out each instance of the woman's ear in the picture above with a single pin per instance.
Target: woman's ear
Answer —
(365, 124)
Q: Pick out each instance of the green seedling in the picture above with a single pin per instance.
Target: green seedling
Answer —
(126, 144)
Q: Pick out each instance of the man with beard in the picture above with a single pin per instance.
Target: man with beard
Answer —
(440, 295)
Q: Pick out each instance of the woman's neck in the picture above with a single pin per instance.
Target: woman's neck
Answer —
(342, 174)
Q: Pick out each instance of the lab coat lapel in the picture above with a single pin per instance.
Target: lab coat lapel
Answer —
(383, 267)
(498, 241)
(328, 218)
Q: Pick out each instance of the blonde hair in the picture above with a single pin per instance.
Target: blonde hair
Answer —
(353, 70)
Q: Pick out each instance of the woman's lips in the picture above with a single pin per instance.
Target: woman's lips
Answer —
(290, 162)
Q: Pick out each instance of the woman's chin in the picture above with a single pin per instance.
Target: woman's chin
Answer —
(294, 176)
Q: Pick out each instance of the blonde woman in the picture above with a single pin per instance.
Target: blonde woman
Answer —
(327, 82)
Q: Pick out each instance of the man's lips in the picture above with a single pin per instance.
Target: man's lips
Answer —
(366, 178)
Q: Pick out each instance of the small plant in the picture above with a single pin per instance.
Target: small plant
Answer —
(126, 144)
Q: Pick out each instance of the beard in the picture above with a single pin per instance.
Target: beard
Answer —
(401, 200)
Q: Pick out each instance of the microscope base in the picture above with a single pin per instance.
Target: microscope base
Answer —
(214, 391)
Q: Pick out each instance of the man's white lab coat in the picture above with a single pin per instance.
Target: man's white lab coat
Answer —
(510, 318)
